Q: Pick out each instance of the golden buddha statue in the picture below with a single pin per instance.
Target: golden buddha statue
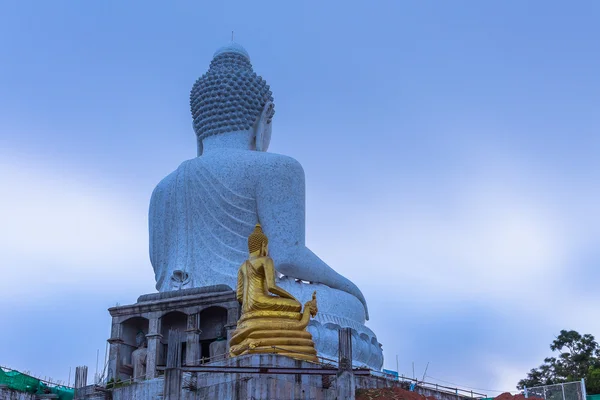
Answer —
(271, 321)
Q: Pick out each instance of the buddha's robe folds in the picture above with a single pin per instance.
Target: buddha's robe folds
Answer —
(198, 229)
(251, 290)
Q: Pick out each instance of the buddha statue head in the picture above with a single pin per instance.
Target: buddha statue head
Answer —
(140, 339)
(231, 100)
(258, 243)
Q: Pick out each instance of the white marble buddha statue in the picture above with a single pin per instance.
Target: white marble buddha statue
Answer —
(202, 213)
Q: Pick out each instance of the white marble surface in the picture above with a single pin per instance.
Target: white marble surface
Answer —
(202, 213)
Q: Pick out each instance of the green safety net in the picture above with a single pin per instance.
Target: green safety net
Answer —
(25, 383)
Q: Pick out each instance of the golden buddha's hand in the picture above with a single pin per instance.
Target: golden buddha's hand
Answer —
(282, 293)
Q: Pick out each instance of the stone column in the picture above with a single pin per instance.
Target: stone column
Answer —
(153, 337)
(345, 349)
(173, 375)
(233, 315)
(192, 334)
(345, 382)
(80, 381)
(114, 354)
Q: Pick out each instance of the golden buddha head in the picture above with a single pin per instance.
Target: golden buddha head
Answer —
(258, 243)
(312, 305)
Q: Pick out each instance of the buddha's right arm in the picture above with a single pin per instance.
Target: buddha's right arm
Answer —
(313, 269)
(281, 208)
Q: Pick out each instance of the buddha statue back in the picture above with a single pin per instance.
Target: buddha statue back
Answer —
(202, 213)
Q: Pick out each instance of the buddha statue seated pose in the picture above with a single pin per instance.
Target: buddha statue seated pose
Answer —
(271, 320)
(138, 357)
(202, 213)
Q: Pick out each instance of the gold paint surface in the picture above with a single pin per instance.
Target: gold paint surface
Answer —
(272, 320)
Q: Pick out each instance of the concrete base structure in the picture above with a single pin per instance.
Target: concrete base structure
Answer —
(265, 377)
(206, 315)
(241, 385)
(235, 383)
(185, 330)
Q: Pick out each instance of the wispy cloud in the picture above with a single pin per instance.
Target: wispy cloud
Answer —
(61, 231)
(494, 248)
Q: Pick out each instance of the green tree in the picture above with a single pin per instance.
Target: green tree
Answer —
(578, 357)
(592, 380)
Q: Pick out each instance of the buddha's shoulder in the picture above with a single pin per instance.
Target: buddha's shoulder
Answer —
(279, 161)
(234, 162)
(247, 159)
(280, 167)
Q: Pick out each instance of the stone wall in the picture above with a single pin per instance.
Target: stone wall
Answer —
(150, 389)
(242, 386)
(259, 386)
(9, 394)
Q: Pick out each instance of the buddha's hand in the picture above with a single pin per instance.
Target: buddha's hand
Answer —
(312, 305)
(281, 293)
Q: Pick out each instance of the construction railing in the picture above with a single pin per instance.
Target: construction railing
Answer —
(413, 384)
(562, 391)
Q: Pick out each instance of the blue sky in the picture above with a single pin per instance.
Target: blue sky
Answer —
(450, 151)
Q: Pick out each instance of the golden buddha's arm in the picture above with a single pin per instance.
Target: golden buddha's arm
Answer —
(239, 292)
(270, 280)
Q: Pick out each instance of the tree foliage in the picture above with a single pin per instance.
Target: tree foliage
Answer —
(578, 356)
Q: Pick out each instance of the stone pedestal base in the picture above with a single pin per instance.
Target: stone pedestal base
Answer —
(231, 385)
